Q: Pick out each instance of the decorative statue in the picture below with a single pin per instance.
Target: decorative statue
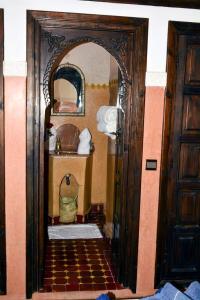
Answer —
(85, 142)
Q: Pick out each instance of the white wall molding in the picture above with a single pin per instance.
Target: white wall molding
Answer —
(15, 68)
(156, 79)
(15, 37)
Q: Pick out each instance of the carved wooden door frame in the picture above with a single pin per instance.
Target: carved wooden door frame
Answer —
(2, 167)
(134, 50)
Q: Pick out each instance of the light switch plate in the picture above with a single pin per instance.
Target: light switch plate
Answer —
(151, 164)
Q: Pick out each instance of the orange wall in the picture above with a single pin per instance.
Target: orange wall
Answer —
(150, 188)
(110, 187)
(15, 162)
(95, 96)
(15, 138)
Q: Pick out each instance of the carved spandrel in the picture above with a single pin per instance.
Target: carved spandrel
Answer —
(59, 44)
(54, 41)
(120, 45)
(117, 45)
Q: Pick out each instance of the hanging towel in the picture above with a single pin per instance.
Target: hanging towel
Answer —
(107, 114)
(107, 120)
(107, 128)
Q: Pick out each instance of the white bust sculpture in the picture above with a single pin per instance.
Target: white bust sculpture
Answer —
(85, 142)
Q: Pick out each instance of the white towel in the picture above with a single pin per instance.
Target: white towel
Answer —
(107, 114)
(107, 120)
(107, 128)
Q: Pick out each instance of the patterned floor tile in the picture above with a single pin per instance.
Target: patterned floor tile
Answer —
(80, 265)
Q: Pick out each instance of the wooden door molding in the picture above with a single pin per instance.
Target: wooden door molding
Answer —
(126, 40)
(166, 3)
(178, 220)
(2, 167)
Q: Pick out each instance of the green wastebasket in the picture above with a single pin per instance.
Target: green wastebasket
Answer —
(68, 199)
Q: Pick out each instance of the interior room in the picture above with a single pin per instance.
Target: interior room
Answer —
(132, 187)
(80, 144)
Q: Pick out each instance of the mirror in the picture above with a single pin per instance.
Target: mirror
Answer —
(68, 91)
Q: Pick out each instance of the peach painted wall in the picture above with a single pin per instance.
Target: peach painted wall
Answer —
(95, 96)
(15, 136)
(15, 161)
(110, 187)
(154, 102)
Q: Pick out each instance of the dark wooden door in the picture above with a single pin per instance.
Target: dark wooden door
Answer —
(50, 36)
(179, 225)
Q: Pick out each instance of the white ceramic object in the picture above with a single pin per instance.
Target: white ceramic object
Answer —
(85, 142)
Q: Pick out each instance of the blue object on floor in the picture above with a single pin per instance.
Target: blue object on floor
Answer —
(168, 292)
(103, 297)
(193, 291)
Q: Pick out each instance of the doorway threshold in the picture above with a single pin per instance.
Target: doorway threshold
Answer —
(84, 295)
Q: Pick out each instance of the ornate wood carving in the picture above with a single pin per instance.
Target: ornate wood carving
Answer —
(54, 41)
(116, 47)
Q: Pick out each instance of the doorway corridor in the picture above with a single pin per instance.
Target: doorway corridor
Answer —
(80, 264)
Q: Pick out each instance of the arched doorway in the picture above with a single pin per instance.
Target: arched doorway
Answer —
(125, 39)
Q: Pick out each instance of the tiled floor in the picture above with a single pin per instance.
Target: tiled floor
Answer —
(96, 216)
(80, 265)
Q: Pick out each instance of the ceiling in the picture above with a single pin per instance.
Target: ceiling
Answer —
(167, 3)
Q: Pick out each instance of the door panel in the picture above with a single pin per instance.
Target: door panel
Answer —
(189, 162)
(2, 170)
(182, 246)
(191, 117)
(179, 239)
(192, 75)
(188, 207)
